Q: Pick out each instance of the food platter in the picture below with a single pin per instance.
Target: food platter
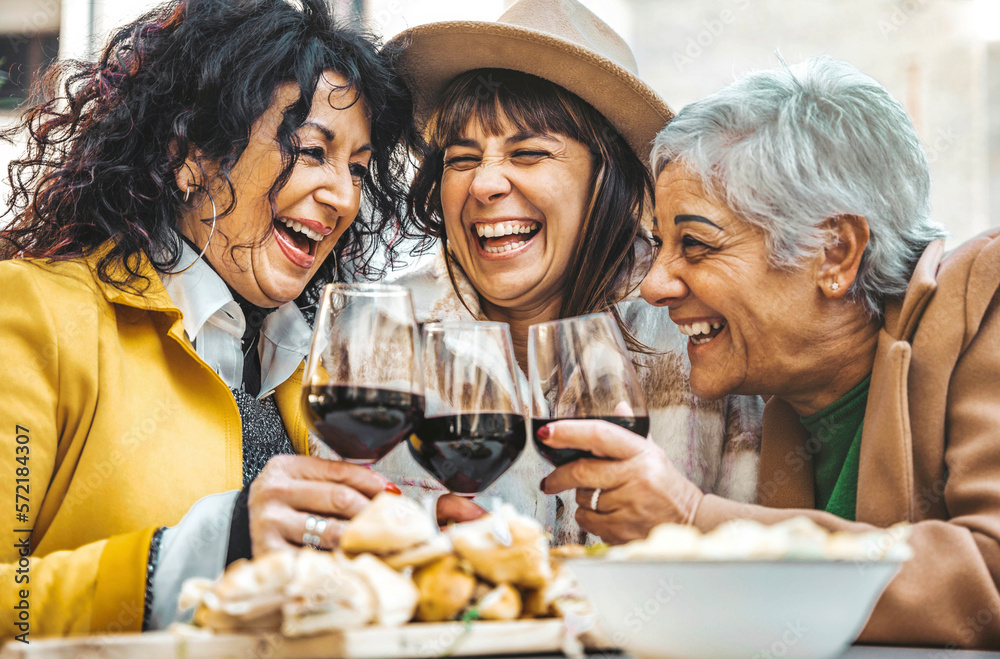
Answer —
(397, 586)
(455, 639)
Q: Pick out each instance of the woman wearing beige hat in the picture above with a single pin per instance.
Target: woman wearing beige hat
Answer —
(534, 180)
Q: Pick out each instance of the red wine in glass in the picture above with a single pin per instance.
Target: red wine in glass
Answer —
(579, 368)
(362, 391)
(560, 456)
(474, 423)
(362, 422)
(467, 452)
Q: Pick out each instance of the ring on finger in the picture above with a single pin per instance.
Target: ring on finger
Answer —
(594, 498)
(314, 531)
(317, 524)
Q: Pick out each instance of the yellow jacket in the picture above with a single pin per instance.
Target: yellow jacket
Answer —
(125, 427)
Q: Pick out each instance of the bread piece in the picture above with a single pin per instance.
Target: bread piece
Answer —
(438, 547)
(326, 593)
(193, 592)
(317, 621)
(505, 548)
(264, 574)
(541, 602)
(247, 589)
(563, 552)
(396, 595)
(500, 603)
(220, 621)
(389, 524)
(445, 589)
(666, 542)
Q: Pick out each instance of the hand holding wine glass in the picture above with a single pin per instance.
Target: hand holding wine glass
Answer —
(361, 394)
(473, 427)
(623, 496)
(579, 368)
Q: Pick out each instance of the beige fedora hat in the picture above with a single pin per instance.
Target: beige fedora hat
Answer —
(558, 40)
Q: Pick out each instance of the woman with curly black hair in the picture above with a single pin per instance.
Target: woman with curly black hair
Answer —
(181, 201)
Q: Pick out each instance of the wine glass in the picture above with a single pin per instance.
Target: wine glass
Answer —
(363, 389)
(473, 427)
(579, 368)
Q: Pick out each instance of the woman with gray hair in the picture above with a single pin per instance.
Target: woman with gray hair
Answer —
(799, 257)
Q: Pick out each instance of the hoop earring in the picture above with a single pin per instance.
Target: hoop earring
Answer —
(187, 194)
(215, 218)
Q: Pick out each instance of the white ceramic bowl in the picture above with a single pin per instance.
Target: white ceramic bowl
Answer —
(660, 609)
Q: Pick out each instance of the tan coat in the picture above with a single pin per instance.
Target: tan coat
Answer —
(930, 453)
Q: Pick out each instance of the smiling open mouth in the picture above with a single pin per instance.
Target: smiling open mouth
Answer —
(301, 238)
(500, 237)
(702, 332)
(298, 242)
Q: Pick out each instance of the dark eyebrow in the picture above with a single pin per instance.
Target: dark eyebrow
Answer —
(695, 218)
(331, 136)
(527, 135)
(327, 133)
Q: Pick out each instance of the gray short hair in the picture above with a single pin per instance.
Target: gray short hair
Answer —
(789, 147)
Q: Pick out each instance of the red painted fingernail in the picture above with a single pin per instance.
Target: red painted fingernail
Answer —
(392, 487)
(544, 432)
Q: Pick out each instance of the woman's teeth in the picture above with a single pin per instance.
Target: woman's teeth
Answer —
(695, 329)
(297, 226)
(702, 332)
(504, 248)
(505, 229)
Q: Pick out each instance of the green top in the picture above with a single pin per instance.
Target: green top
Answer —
(836, 431)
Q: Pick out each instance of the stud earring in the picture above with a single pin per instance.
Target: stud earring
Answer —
(835, 286)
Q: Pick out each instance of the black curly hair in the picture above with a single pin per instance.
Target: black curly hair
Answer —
(108, 137)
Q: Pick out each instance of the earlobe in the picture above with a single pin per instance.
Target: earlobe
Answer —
(186, 180)
(833, 290)
(842, 256)
(186, 177)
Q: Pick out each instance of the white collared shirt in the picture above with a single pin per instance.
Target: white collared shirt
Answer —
(214, 323)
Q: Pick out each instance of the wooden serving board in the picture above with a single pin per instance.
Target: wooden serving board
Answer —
(457, 639)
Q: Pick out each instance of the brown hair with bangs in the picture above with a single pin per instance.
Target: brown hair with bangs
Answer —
(621, 186)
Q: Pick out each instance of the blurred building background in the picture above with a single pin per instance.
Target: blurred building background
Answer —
(941, 58)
